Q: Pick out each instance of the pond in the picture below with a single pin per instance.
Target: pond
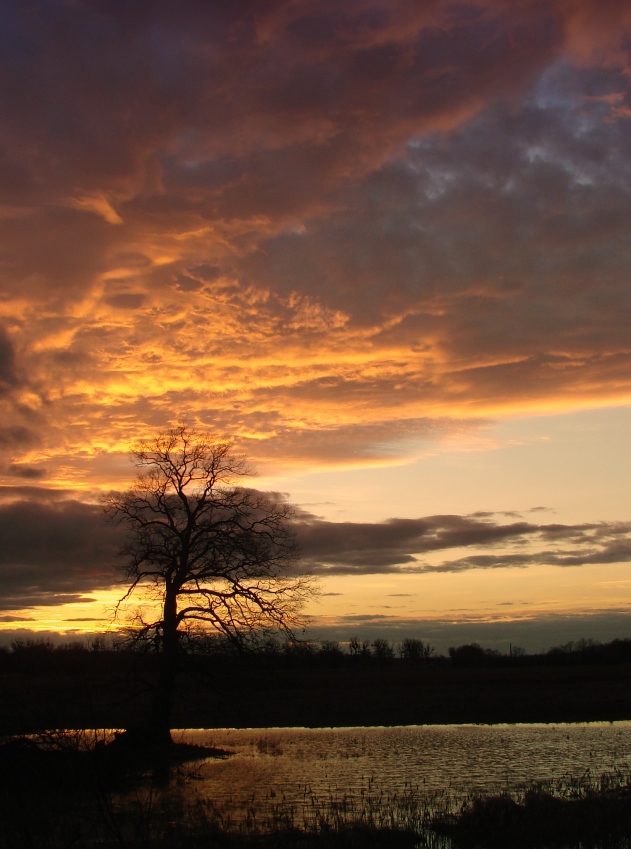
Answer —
(310, 768)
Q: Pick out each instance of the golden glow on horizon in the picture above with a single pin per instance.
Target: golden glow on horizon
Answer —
(493, 595)
(498, 595)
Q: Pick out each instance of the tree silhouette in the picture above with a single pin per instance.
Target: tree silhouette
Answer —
(218, 555)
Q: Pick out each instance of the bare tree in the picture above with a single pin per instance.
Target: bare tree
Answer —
(218, 555)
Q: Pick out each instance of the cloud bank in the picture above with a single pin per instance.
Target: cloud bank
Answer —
(324, 228)
(55, 550)
(58, 550)
(398, 546)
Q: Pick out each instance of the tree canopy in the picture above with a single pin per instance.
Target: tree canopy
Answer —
(219, 556)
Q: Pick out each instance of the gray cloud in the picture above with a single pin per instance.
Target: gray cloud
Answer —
(57, 549)
(595, 549)
(21, 470)
(18, 436)
(8, 376)
(54, 551)
(34, 494)
(483, 250)
(256, 99)
(16, 619)
(398, 545)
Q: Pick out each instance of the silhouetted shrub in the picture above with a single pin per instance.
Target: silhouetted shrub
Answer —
(473, 654)
(331, 652)
(382, 650)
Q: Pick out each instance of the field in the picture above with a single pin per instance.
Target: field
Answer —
(113, 691)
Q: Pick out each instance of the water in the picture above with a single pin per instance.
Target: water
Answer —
(298, 768)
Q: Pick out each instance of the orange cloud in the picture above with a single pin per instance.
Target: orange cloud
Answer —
(329, 230)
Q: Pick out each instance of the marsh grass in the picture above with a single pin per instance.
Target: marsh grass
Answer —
(586, 812)
(64, 791)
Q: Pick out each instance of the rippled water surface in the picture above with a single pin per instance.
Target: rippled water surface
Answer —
(302, 766)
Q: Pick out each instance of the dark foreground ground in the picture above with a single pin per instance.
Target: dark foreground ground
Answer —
(54, 796)
(55, 793)
(254, 695)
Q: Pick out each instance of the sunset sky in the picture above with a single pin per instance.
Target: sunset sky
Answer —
(384, 245)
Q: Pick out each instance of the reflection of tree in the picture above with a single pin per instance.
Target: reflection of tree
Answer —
(219, 555)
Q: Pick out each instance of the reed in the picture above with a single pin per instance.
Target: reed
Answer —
(56, 794)
(585, 812)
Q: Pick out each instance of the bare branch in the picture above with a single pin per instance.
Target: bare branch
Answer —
(219, 554)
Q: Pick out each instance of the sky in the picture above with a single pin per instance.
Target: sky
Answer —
(382, 245)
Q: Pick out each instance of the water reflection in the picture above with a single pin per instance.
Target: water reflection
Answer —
(309, 769)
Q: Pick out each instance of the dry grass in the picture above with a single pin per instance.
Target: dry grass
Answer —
(57, 796)
(586, 812)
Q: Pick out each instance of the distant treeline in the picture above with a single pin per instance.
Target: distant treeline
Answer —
(114, 653)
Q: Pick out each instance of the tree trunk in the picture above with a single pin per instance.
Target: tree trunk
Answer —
(168, 660)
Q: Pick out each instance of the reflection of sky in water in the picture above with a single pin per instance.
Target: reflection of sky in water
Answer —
(307, 767)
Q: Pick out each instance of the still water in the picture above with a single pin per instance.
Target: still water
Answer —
(299, 767)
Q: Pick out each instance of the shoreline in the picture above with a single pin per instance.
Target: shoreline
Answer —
(595, 722)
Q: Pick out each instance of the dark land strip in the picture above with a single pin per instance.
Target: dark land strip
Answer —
(253, 695)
